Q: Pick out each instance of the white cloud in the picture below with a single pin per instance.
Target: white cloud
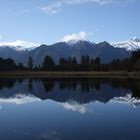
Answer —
(76, 36)
(51, 135)
(52, 8)
(19, 99)
(57, 6)
(20, 45)
(17, 43)
(76, 107)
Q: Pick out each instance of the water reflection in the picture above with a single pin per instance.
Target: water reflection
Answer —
(69, 109)
(73, 91)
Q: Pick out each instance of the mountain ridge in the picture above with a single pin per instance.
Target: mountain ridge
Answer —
(105, 51)
(130, 45)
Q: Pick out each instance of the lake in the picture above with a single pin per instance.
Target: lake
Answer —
(69, 109)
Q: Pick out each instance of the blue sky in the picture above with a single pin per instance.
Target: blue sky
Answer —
(49, 21)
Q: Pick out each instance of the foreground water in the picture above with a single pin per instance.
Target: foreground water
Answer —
(69, 109)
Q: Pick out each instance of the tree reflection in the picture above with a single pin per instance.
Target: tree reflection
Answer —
(86, 85)
(30, 84)
(7, 82)
(48, 84)
(82, 90)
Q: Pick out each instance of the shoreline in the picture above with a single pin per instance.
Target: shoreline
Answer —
(70, 74)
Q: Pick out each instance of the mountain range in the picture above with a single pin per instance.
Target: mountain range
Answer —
(104, 50)
(130, 45)
(65, 91)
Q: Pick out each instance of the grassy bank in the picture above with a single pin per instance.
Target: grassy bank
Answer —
(81, 74)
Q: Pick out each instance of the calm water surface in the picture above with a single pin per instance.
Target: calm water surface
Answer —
(69, 109)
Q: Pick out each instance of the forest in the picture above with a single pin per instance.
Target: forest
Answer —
(71, 64)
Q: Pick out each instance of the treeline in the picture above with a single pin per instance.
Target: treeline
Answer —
(9, 65)
(73, 84)
(71, 64)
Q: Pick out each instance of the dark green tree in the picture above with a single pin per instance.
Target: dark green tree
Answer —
(48, 63)
(83, 60)
(74, 61)
(30, 63)
(20, 66)
(87, 59)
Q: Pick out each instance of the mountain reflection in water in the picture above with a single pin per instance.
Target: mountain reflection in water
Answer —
(72, 91)
(69, 109)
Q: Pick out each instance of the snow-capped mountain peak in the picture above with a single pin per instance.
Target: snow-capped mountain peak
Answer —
(130, 45)
(19, 45)
(128, 99)
(72, 42)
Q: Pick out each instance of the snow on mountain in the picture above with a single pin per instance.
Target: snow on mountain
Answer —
(19, 45)
(20, 99)
(128, 99)
(72, 43)
(130, 45)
